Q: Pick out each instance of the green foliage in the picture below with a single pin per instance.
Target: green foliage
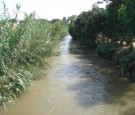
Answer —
(106, 50)
(86, 26)
(24, 46)
(126, 60)
(127, 15)
(121, 53)
(71, 18)
(71, 30)
(127, 63)
(112, 26)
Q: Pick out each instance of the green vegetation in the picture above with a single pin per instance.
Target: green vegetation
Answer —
(24, 46)
(106, 50)
(110, 31)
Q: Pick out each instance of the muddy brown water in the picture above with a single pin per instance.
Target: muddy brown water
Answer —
(79, 83)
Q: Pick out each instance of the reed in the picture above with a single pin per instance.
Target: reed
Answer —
(24, 46)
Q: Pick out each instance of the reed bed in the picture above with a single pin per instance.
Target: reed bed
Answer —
(24, 46)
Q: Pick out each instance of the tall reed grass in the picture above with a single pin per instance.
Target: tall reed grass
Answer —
(23, 48)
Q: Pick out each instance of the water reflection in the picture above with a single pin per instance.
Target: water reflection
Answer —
(64, 45)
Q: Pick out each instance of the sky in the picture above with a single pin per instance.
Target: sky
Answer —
(50, 9)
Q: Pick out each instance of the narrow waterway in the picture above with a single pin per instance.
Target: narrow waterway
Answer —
(78, 83)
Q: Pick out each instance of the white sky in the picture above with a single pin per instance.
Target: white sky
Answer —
(50, 9)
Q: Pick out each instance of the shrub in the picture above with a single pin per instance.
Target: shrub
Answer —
(121, 53)
(106, 50)
(126, 60)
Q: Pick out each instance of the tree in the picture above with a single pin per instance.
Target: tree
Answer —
(127, 16)
(71, 18)
(64, 20)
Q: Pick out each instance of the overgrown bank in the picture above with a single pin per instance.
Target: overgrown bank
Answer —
(24, 46)
(110, 32)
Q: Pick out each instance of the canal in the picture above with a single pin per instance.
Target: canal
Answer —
(78, 83)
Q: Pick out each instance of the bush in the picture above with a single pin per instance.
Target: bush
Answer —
(121, 53)
(127, 60)
(106, 50)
